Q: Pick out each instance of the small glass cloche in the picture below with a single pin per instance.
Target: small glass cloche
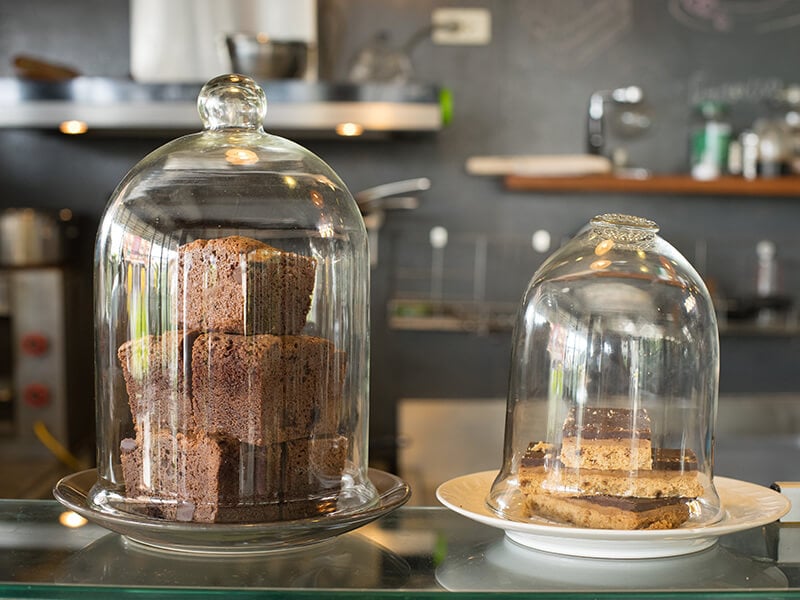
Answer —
(613, 387)
(232, 342)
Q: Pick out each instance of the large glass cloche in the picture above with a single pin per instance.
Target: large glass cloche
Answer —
(232, 342)
(613, 387)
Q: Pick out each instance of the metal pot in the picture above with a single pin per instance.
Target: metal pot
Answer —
(264, 58)
(30, 237)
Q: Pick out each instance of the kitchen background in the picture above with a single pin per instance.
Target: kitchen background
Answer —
(525, 92)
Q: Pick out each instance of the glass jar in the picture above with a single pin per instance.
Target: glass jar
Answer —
(232, 297)
(613, 387)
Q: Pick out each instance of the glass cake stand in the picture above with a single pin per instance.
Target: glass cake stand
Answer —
(228, 538)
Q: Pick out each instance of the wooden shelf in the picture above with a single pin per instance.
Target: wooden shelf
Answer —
(658, 184)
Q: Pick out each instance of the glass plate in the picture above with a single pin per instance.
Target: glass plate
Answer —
(744, 506)
(226, 538)
(504, 566)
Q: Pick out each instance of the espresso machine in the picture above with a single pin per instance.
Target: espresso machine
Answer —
(45, 410)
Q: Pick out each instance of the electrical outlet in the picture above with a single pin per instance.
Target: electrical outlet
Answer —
(461, 26)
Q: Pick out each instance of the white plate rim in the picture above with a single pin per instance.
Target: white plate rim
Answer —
(774, 506)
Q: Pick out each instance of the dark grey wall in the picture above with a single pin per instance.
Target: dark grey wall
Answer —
(525, 93)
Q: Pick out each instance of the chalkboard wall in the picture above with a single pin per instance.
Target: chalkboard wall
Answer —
(524, 93)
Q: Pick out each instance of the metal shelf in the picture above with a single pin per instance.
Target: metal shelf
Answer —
(305, 108)
(465, 316)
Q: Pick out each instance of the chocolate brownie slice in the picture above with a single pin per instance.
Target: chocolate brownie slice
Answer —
(240, 285)
(266, 389)
(215, 478)
(313, 466)
(204, 471)
(156, 373)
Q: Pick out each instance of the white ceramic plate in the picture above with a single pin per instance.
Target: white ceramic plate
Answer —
(744, 506)
(227, 538)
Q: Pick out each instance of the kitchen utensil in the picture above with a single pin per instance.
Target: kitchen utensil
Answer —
(375, 201)
(380, 61)
(263, 57)
(634, 122)
(29, 67)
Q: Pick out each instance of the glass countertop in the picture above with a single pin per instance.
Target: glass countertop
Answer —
(415, 552)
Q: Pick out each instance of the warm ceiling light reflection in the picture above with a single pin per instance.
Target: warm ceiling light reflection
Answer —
(668, 267)
(73, 127)
(689, 303)
(71, 519)
(604, 247)
(241, 156)
(641, 254)
(349, 129)
(290, 182)
(326, 230)
(600, 264)
(317, 198)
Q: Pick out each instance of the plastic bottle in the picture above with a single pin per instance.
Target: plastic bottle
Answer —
(710, 138)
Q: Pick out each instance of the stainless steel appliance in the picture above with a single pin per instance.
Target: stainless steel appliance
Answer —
(185, 40)
(38, 410)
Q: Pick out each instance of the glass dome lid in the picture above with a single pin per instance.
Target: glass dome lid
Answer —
(232, 332)
(613, 387)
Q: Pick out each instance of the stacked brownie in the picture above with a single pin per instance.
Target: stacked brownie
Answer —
(236, 414)
(606, 474)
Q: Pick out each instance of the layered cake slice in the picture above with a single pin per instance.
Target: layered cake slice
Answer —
(266, 389)
(673, 474)
(240, 285)
(612, 512)
(607, 475)
(606, 439)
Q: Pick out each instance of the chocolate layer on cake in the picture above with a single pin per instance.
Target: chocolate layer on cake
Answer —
(603, 512)
(606, 438)
(607, 424)
(674, 459)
